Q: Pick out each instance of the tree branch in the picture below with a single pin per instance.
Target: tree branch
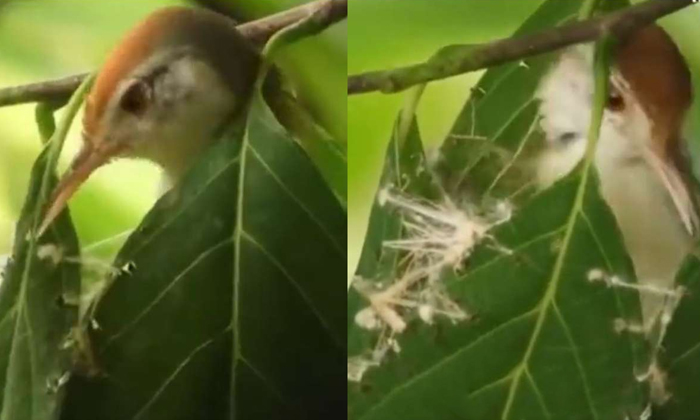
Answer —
(258, 31)
(458, 59)
(327, 12)
(57, 90)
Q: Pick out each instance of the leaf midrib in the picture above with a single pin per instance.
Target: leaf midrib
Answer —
(237, 234)
(466, 348)
(548, 298)
(497, 328)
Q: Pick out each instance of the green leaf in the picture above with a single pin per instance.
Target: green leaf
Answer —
(38, 304)
(500, 118)
(328, 155)
(537, 328)
(404, 169)
(227, 306)
(680, 359)
(543, 324)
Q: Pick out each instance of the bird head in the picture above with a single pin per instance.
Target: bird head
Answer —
(649, 93)
(161, 95)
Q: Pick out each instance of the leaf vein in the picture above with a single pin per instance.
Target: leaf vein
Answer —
(538, 393)
(577, 358)
(496, 84)
(549, 293)
(333, 240)
(451, 357)
(164, 292)
(489, 385)
(296, 285)
(480, 155)
(696, 346)
(608, 264)
(170, 378)
(513, 252)
(267, 383)
(192, 200)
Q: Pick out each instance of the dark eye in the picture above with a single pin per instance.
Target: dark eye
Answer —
(567, 137)
(136, 98)
(615, 102)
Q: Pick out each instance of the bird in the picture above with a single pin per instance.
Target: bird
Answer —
(162, 95)
(641, 158)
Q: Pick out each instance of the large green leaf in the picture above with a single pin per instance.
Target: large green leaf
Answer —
(38, 308)
(538, 327)
(543, 344)
(228, 302)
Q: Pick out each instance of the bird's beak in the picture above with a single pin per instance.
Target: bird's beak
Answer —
(84, 164)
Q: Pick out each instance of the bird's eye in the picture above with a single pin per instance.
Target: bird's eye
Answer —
(567, 137)
(136, 98)
(615, 102)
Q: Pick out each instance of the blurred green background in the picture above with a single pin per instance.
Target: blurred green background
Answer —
(43, 39)
(391, 33)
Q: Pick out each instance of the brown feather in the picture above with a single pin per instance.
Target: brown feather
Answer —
(640, 59)
(214, 35)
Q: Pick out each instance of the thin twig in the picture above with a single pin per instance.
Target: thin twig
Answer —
(315, 20)
(58, 90)
(326, 11)
(257, 31)
(458, 59)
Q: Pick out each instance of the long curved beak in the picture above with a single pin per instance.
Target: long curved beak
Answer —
(84, 164)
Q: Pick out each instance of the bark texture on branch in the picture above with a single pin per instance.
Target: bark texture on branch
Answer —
(257, 31)
(458, 59)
